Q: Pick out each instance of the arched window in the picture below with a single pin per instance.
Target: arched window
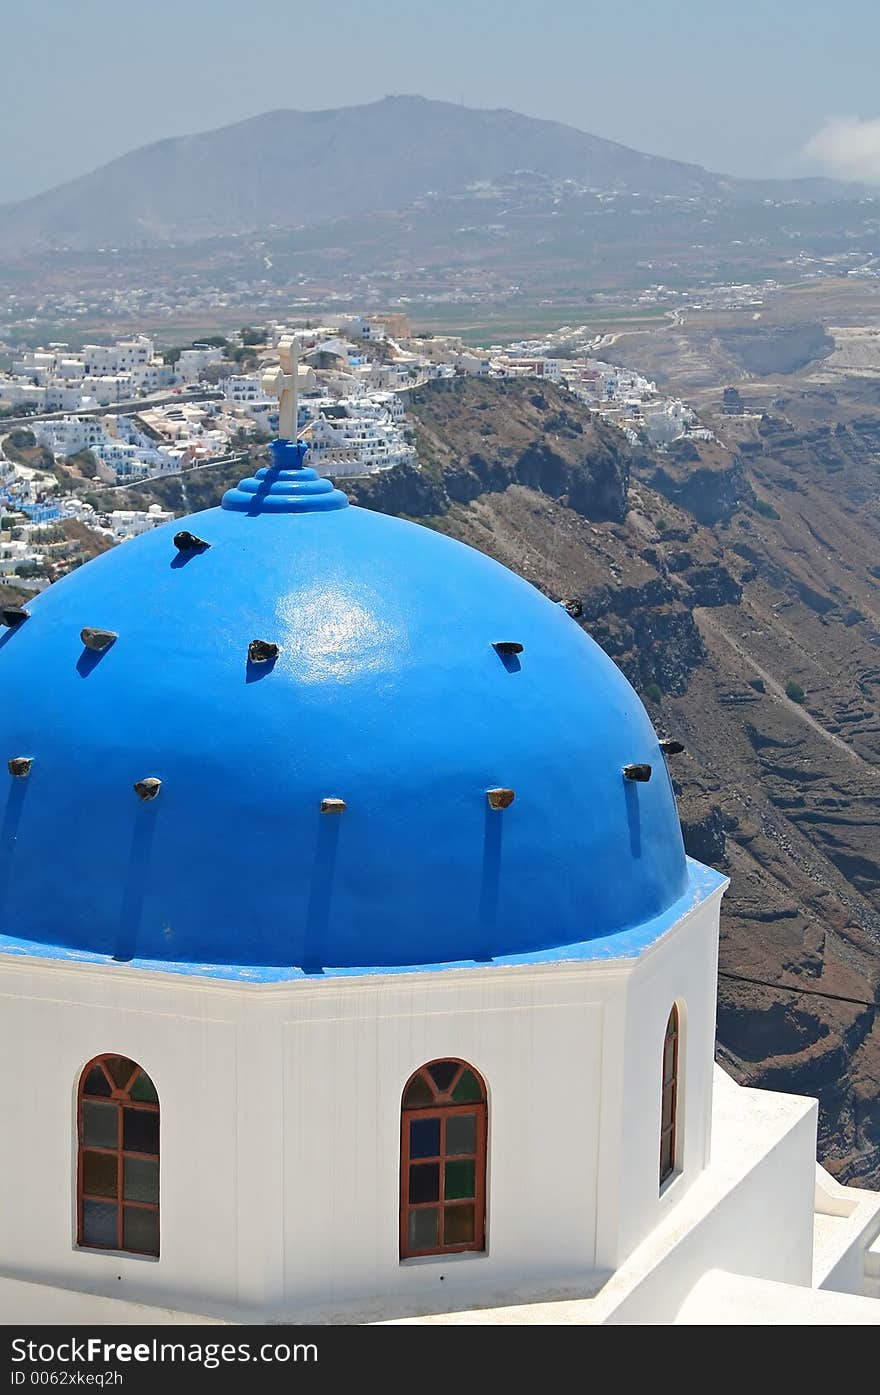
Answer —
(670, 1097)
(443, 1161)
(118, 1159)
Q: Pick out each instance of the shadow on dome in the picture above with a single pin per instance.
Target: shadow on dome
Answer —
(262, 493)
(182, 559)
(510, 661)
(633, 818)
(490, 883)
(88, 661)
(136, 881)
(320, 894)
(9, 832)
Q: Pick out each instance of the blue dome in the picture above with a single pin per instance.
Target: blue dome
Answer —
(387, 694)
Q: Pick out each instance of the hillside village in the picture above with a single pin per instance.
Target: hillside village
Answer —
(107, 417)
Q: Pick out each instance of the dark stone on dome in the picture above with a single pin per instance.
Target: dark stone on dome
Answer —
(640, 773)
(500, 798)
(188, 542)
(14, 615)
(147, 789)
(507, 646)
(260, 651)
(670, 747)
(98, 640)
(20, 766)
(332, 806)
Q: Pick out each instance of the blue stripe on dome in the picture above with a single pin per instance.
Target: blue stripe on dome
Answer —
(703, 882)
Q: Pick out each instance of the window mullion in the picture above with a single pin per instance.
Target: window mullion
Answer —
(441, 1185)
(119, 1170)
(405, 1166)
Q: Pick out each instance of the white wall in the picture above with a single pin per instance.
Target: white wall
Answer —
(750, 1212)
(22, 1302)
(730, 1300)
(846, 1251)
(537, 1042)
(682, 969)
(58, 1021)
(280, 1124)
(280, 1129)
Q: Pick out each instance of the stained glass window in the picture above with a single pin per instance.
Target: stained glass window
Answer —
(669, 1099)
(443, 1161)
(118, 1157)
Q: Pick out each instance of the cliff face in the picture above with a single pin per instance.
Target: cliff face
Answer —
(527, 474)
(509, 433)
(707, 481)
(717, 578)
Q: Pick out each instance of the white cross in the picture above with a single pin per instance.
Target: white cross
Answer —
(284, 382)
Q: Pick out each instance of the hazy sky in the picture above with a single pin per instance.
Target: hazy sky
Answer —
(741, 86)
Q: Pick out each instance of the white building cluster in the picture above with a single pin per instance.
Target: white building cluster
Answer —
(156, 441)
(354, 421)
(352, 436)
(129, 523)
(60, 379)
(353, 417)
(35, 548)
(629, 400)
(617, 394)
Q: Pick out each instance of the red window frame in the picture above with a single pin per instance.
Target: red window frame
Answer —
(120, 1096)
(443, 1107)
(669, 1096)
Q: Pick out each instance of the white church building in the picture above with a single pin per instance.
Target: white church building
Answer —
(352, 966)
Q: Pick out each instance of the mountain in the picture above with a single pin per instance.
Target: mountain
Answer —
(290, 168)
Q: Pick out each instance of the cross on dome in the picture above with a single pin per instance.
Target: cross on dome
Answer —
(285, 380)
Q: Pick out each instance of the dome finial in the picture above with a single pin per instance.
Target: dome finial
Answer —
(287, 485)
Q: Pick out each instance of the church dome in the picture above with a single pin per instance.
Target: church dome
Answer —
(345, 802)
